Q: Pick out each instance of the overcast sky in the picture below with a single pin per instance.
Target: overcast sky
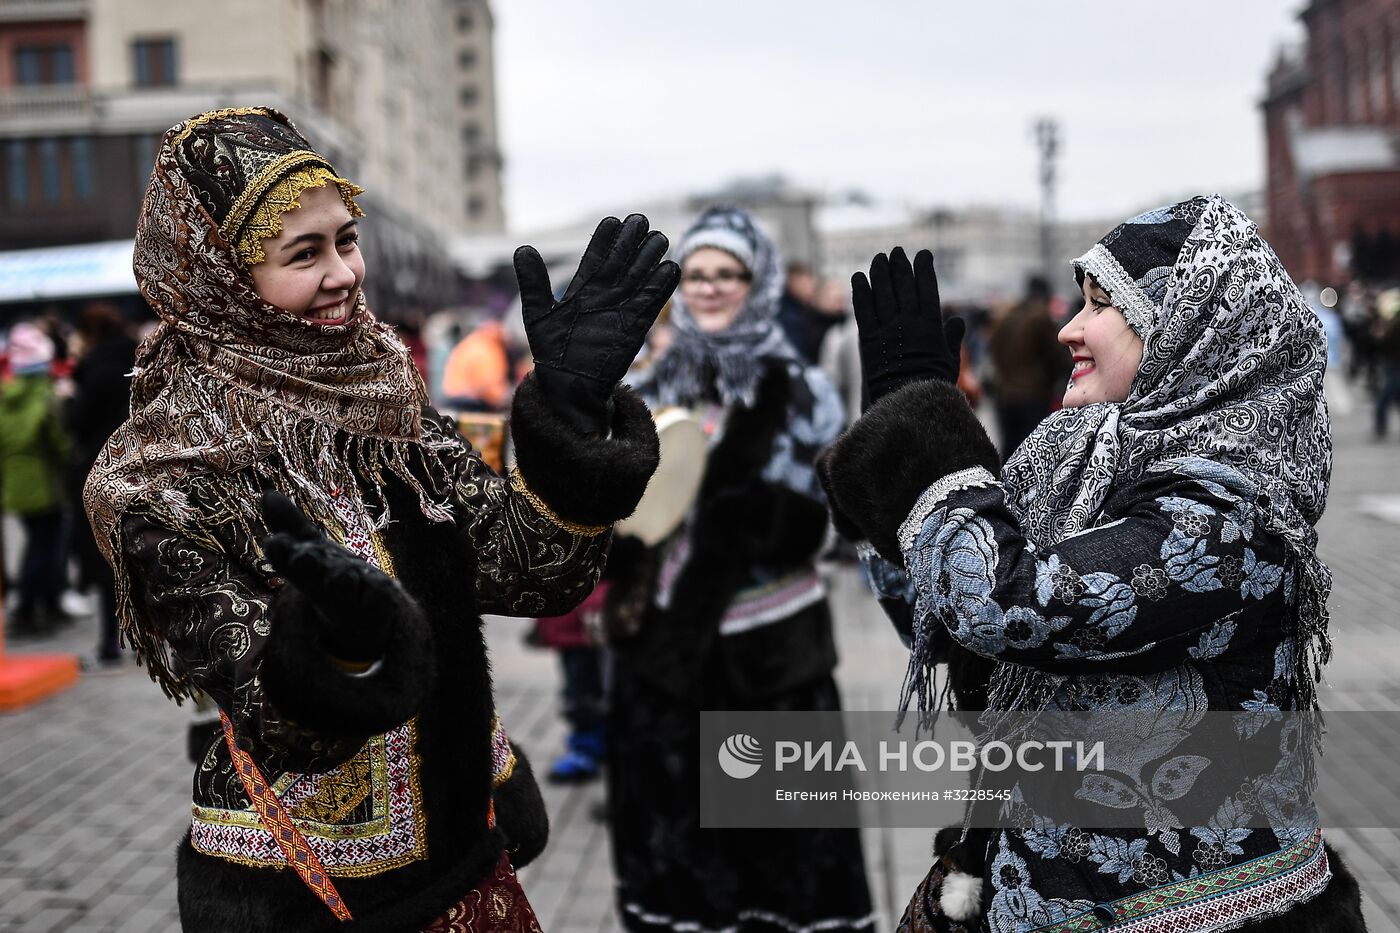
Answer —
(607, 103)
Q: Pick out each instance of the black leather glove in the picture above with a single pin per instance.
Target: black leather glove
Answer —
(357, 604)
(584, 342)
(903, 337)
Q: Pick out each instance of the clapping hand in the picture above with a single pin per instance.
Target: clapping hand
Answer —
(903, 335)
(584, 342)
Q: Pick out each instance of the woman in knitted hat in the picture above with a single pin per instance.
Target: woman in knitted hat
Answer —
(729, 612)
(1147, 554)
(296, 534)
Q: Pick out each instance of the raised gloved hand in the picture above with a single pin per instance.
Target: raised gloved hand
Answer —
(903, 336)
(358, 606)
(584, 342)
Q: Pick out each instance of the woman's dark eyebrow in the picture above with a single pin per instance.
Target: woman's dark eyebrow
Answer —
(304, 238)
(318, 237)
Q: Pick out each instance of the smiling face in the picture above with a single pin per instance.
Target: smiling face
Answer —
(313, 267)
(1106, 351)
(715, 285)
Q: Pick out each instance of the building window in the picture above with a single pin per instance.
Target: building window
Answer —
(476, 206)
(464, 22)
(17, 172)
(143, 156)
(155, 62)
(50, 172)
(44, 64)
(469, 95)
(323, 79)
(467, 58)
(80, 161)
(471, 134)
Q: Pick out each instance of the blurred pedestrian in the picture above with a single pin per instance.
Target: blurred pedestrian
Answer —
(34, 454)
(297, 534)
(801, 315)
(1388, 358)
(100, 401)
(576, 637)
(477, 376)
(729, 612)
(1334, 381)
(1030, 365)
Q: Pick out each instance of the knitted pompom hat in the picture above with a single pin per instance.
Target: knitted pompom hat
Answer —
(725, 228)
(30, 349)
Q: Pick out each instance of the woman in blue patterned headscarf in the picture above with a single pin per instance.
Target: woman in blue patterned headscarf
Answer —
(1149, 548)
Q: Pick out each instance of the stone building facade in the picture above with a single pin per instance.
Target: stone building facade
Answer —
(399, 95)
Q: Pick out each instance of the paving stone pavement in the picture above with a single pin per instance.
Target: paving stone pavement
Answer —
(94, 785)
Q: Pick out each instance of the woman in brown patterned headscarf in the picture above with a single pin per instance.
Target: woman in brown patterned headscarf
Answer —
(276, 428)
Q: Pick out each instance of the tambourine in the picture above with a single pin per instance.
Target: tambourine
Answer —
(673, 488)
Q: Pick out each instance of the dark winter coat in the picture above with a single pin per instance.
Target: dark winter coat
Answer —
(400, 818)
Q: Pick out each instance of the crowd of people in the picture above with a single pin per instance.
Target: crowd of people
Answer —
(66, 389)
(280, 514)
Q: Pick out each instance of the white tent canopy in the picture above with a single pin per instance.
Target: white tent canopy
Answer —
(86, 270)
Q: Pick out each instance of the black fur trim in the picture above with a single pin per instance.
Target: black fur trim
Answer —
(907, 441)
(588, 480)
(520, 812)
(746, 446)
(718, 563)
(796, 529)
(216, 896)
(773, 525)
(307, 689)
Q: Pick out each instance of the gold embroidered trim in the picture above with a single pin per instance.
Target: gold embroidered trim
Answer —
(257, 214)
(379, 825)
(381, 553)
(498, 735)
(339, 792)
(195, 123)
(517, 483)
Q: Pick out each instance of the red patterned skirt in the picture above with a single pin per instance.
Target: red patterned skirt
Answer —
(497, 905)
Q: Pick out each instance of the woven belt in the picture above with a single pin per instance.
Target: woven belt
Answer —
(289, 839)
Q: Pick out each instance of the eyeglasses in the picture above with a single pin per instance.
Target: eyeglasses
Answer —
(723, 280)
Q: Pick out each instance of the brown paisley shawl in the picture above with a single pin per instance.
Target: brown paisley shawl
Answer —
(230, 386)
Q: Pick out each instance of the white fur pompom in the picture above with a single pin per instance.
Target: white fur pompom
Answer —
(962, 896)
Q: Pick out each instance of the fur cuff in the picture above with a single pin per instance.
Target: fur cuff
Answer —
(908, 440)
(585, 480)
(307, 689)
(520, 812)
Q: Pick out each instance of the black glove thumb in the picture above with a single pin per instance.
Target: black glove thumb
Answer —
(283, 516)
